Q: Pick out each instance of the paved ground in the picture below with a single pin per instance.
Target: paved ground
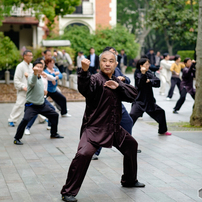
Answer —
(171, 167)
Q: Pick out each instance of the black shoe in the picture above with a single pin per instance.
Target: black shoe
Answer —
(18, 142)
(139, 151)
(56, 136)
(136, 184)
(175, 112)
(69, 198)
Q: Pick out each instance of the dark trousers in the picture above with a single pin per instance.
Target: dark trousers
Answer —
(158, 115)
(31, 122)
(174, 81)
(61, 68)
(81, 162)
(60, 100)
(126, 123)
(92, 70)
(182, 98)
(32, 111)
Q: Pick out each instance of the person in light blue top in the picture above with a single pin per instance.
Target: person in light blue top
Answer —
(52, 87)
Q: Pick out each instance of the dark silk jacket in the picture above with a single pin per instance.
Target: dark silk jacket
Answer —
(187, 79)
(102, 116)
(145, 98)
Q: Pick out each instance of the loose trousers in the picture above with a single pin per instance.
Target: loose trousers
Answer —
(174, 81)
(81, 162)
(182, 98)
(32, 111)
(18, 108)
(163, 83)
(158, 115)
(126, 123)
(60, 100)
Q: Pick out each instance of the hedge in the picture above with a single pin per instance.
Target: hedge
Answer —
(186, 54)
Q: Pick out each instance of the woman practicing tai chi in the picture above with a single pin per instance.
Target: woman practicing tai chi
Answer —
(145, 101)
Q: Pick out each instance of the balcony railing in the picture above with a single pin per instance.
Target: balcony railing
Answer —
(86, 8)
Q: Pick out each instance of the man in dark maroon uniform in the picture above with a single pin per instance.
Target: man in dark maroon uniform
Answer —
(101, 124)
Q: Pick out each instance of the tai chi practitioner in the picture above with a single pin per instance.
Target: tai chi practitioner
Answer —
(145, 101)
(186, 85)
(101, 124)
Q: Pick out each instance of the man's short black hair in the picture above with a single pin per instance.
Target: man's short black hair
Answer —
(186, 60)
(55, 50)
(165, 55)
(37, 62)
(109, 48)
(26, 51)
(81, 52)
(46, 51)
(92, 48)
(122, 49)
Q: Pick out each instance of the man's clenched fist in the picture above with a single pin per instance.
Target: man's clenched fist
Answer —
(85, 63)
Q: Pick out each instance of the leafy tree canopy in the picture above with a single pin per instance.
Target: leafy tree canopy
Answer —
(178, 19)
(118, 37)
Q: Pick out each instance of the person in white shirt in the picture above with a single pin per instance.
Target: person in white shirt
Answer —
(23, 70)
(79, 58)
(165, 74)
(67, 62)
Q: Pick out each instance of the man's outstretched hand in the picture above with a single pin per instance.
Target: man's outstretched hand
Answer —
(85, 63)
(111, 84)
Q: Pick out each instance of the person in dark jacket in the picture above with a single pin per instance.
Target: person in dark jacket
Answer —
(145, 101)
(101, 124)
(126, 120)
(151, 57)
(94, 61)
(122, 61)
(186, 85)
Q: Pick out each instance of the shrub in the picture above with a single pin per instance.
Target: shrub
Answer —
(118, 37)
(186, 54)
(9, 54)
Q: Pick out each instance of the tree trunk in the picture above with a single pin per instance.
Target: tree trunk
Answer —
(196, 117)
(169, 46)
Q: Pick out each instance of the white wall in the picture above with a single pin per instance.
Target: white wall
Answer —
(113, 13)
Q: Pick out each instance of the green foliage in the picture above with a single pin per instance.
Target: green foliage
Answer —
(186, 54)
(118, 37)
(50, 8)
(129, 11)
(9, 53)
(176, 18)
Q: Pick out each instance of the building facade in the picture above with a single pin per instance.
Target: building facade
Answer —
(25, 30)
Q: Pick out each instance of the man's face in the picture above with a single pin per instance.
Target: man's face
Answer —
(122, 52)
(108, 63)
(158, 53)
(188, 63)
(40, 68)
(151, 51)
(92, 51)
(48, 55)
(28, 57)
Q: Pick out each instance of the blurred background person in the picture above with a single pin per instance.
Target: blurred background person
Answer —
(94, 61)
(122, 61)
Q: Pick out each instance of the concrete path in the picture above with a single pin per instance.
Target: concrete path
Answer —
(171, 167)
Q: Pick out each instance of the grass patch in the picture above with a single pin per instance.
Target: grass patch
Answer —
(178, 126)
